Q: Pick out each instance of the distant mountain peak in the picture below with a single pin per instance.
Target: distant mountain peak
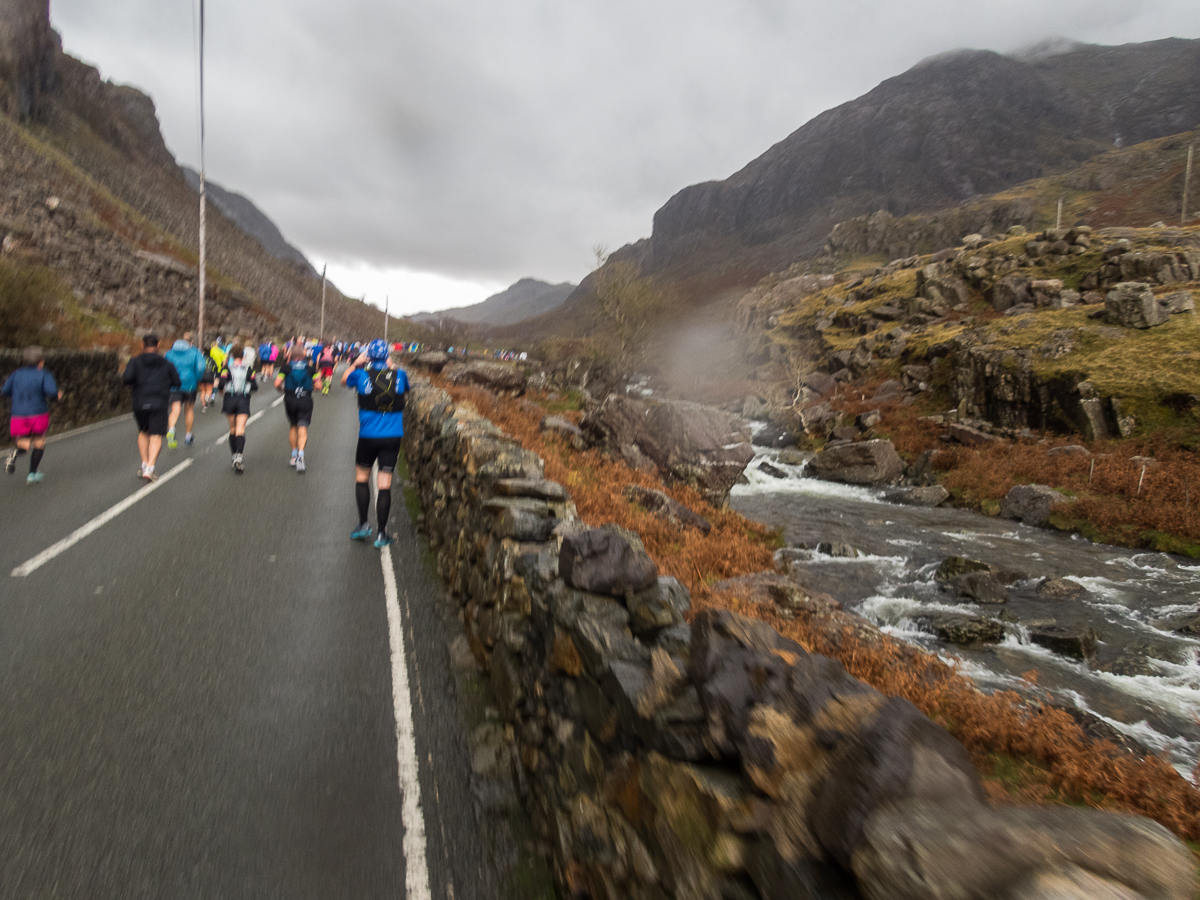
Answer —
(524, 299)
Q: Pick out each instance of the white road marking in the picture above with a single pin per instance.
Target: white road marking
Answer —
(276, 403)
(416, 870)
(105, 517)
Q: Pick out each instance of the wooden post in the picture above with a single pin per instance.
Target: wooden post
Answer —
(1058, 222)
(200, 323)
(323, 270)
(1187, 183)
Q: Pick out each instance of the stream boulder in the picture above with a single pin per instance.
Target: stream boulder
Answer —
(687, 443)
(1030, 503)
(866, 463)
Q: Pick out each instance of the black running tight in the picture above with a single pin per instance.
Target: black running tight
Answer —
(362, 496)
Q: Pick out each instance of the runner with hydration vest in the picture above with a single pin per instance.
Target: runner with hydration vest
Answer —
(381, 390)
(237, 382)
(327, 361)
(297, 380)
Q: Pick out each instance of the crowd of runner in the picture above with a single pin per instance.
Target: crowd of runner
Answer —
(166, 387)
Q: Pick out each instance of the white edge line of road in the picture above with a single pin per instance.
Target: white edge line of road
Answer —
(416, 870)
(108, 515)
(416, 867)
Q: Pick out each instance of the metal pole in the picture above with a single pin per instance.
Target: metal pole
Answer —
(323, 268)
(1187, 183)
(200, 324)
(386, 304)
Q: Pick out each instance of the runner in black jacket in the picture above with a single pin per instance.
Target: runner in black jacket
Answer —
(152, 379)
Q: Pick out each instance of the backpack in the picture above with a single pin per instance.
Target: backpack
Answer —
(327, 355)
(380, 394)
(296, 378)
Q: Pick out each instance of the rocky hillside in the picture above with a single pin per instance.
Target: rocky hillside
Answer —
(253, 221)
(525, 299)
(950, 129)
(92, 192)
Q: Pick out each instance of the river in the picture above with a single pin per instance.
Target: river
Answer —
(892, 584)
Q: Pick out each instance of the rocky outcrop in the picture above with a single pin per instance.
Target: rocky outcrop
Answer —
(666, 508)
(714, 759)
(29, 50)
(688, 443)
(866, 462)
(1133, 305)
(496, 376)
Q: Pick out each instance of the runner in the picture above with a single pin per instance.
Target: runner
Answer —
(206, 382)
(381, 389)
(266, 358)
(153, 379)
(328, 361)
(237, 381)
(296, 379)
(30, 387)
(191, 365)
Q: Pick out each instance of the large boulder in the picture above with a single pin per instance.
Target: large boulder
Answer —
(666, 508)
(1031, 503)
(866, 462)
(496, 376)
(608, 560)
(688, 443)
(1133, 304)
(916, 850)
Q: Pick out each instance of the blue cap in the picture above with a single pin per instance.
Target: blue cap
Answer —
(377, 350)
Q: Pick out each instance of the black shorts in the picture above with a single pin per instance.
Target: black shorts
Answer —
(151, 421)
(236, 405)
(386, 450)
(208, 378)
(188, 397)
(299, 410)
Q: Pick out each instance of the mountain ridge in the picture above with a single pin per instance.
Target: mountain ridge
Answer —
(523, 299)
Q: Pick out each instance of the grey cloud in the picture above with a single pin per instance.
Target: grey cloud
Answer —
(494, 140)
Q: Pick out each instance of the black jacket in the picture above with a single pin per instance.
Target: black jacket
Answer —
(153, 379)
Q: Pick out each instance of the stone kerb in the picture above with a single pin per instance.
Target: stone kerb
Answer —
(661, 758)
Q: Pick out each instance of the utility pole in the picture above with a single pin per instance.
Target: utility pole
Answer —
(1187, 183)
(323, 270)
(386, 304)
(200, 324)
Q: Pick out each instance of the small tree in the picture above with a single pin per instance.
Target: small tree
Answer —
(628, 305)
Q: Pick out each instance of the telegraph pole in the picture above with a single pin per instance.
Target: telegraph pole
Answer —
(200, 324)
(323, 270)
(1187, 183)
(386, 304)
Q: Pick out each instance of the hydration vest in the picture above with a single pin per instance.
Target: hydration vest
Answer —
(379, 393)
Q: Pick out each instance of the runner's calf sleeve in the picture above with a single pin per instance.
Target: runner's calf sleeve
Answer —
(35, 458)
(239, 443)
(383, 507)
(362, 496)
(232, 442)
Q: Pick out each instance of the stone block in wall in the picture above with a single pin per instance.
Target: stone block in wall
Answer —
(608, 560)
(601, 644)
(658, 607)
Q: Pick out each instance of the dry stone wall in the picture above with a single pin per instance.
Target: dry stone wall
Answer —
(714, 758)
(89, 379)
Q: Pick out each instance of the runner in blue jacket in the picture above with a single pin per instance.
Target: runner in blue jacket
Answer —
(190, 362)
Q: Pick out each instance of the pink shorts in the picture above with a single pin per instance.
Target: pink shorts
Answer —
(29, 426)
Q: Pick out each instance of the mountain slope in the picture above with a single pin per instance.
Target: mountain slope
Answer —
(947, 130)
(522, 300)
(69, 134)
(242, 212)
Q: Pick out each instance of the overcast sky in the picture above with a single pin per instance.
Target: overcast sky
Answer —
(437, 150)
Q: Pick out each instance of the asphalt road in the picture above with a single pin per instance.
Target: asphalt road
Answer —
(197, 699)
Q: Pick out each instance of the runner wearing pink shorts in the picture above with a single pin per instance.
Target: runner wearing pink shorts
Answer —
(30, 387)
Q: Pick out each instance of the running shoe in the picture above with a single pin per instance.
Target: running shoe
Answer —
(292, 461)
(237, 464)
(33, 478)
(149, 476)
(172, 444)
(10, 464)
(300, 464)
(189, 439)
(361, 533)
(383, 540)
